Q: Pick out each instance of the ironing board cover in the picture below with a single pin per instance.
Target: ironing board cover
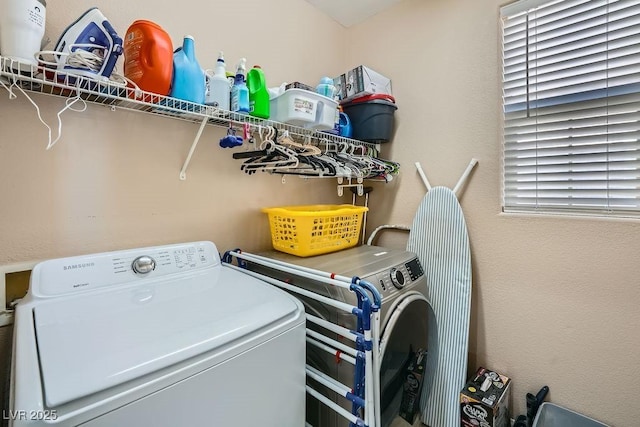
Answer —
(439, 237)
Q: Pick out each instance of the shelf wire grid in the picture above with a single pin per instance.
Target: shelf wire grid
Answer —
(40, 79)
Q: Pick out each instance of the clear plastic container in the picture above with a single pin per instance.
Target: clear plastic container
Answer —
(304, 108)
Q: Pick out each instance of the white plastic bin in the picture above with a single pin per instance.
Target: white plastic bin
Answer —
(550, 415)
(304, 108)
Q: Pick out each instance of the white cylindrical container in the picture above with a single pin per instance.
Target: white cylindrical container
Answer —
(22, 29)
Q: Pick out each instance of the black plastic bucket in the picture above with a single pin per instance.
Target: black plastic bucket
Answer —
(372, 121)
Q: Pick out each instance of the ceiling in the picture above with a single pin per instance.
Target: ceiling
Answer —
(351, 12)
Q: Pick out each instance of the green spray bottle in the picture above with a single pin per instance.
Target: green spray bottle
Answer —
(258, 93)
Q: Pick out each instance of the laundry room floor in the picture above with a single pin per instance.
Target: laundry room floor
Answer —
(399, 422)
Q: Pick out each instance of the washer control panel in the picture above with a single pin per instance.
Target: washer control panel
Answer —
(67, 275)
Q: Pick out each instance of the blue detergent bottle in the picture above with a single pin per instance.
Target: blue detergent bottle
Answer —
(188, 81)
(240, 91)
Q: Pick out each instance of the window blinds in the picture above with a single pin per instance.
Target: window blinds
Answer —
(571, 103)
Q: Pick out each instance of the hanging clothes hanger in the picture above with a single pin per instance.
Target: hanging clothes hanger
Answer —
(278, 157)
(302, 149)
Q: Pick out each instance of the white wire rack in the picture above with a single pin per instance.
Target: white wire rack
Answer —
(364, 394)
(16, 75)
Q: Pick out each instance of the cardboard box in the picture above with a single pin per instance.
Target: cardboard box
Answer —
(298, 85)
(410, 406)
(340, 83)
(484, 401)
(361, 81)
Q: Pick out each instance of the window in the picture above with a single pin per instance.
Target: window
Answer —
(571, 104)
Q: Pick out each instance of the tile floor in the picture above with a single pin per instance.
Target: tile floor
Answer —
(399, 422)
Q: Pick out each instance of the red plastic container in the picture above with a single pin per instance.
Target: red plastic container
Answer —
(148, 57)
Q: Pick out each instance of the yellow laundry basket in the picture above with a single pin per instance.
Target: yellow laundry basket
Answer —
(314, 229)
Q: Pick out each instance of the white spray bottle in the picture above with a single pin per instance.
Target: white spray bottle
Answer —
(219, 94)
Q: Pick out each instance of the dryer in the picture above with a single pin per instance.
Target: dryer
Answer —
(162, 336)
(405, 316)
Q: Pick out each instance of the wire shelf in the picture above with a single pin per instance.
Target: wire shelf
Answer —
(106, 92)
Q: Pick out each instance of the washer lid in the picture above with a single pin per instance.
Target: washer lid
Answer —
(88, 343)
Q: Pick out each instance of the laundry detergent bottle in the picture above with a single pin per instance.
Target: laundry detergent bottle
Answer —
(239, 91)
(219, 93)
(148, 57)
(188, 82)
(258, 93)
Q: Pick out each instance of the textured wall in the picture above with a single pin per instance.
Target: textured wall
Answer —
(112, 182)
(554, 298)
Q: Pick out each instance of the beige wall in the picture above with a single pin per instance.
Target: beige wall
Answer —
(112, 182)
(554, 299)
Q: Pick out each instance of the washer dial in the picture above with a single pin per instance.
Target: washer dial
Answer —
(143, 264)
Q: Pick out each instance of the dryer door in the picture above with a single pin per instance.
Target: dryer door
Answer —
(405, 332)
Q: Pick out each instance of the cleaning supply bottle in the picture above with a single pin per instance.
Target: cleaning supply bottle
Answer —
(258, 93)
(219, 93)
(239, 91)
(326, 87)
(148, 57)
(188, 82)
(344, 124)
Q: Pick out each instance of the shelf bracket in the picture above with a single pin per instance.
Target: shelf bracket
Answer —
(359, 186)
(183, 171)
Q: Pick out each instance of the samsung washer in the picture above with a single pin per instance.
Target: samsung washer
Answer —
(404, 317)
(163, 336)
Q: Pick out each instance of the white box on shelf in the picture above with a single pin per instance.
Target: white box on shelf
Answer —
(361, 81)
(304, 108)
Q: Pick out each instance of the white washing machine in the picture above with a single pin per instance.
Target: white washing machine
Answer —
(164, 336)
(404, 317)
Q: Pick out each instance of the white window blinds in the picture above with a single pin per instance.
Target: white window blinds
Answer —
(571, 103)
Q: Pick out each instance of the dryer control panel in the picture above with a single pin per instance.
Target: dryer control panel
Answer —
(399, 277)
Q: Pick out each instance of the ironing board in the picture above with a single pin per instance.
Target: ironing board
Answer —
(439, 237)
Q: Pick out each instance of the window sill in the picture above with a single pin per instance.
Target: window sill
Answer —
(573, 215)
